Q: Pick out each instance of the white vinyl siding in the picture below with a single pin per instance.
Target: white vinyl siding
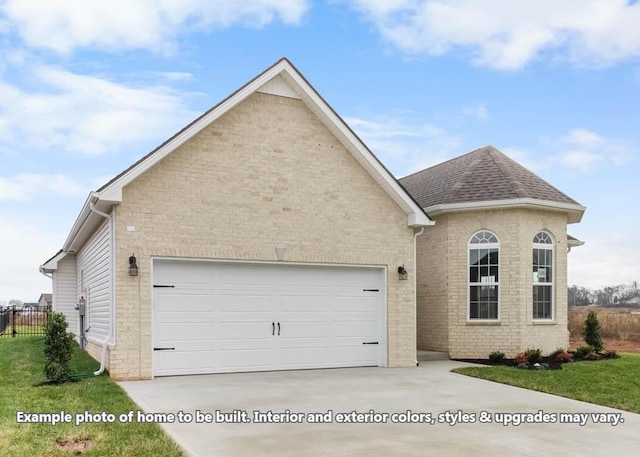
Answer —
(64, 292)
(94, 278)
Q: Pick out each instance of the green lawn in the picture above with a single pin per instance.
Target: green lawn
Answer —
(21, 365)
(614, 383)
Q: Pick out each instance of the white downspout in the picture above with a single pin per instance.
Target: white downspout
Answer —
(415, 290)
(105, 343)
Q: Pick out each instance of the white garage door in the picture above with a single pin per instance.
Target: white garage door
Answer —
(216, 317)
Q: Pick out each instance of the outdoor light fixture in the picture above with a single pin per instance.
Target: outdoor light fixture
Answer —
(133, 266)
(402, 273)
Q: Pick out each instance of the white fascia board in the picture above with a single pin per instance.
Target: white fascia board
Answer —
(574, 243)
(52, 264)
(574, 212)
(85, 223)
(77, 225)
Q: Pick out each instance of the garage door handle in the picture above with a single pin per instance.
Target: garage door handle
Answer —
(164, 349)
(273, 328)
(278, 328)
(370, 342)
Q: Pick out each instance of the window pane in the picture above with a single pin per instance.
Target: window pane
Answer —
(542, 302)
(493, 293)
(474, 274)
(473, 293)
(473, 310)
(484, 257)
(493, 256)
(484, 272)
(493, 310)
(473, 257)
(484, 310)
(494, 273)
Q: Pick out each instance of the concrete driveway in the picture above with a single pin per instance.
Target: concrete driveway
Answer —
(349, 394)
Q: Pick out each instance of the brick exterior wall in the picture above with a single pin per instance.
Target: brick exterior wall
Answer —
(267, 174)
(443, 284)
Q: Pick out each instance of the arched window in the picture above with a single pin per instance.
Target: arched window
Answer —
(543, 276)
(483, 276)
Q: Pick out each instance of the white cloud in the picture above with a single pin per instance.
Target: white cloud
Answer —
(478, 111)
(507, 34)
(583, 150)
(64, 25)
(85, 114)
(526, 159)
(583, 137)
(405, 145)
(25, 186)
(583, 161)
(25, 245)
(605, 261)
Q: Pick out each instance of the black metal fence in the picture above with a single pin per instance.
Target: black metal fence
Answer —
(25, 321)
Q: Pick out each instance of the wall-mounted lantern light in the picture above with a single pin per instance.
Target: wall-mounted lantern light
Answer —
(402, 273)
(133, 266)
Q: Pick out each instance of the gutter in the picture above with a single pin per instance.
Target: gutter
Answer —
(105, 343)
(415, 291)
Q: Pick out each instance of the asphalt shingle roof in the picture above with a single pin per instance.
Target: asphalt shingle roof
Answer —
(482, 175)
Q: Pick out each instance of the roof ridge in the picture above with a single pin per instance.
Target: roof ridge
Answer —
(468, 171)
(445, 162)
(507, 172)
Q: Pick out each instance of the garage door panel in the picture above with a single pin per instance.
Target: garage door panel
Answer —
(355, 329)
(181, 302)
(191, 331)
(308, 356)
(354, 355)
(232, 331)
(228, 314)
(305, 329)
(247, 359)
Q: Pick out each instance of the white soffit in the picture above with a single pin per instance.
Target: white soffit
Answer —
(278, 86)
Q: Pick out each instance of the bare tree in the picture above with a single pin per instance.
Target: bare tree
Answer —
(17, 303)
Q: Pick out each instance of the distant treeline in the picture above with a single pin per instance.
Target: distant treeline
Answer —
(622, 295)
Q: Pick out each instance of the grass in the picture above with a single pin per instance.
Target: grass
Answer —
(615, 323)
(614, 383)
(21, 368)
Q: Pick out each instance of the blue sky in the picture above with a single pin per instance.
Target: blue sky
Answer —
(87, 88)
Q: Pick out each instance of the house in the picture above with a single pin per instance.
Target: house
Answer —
(45, 300)
(266, 236)
(492, 271)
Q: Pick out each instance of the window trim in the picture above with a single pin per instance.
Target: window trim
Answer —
(480, 245)
(549, 247)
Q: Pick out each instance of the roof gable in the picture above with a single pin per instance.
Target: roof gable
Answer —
(281, 79)
(481, 176)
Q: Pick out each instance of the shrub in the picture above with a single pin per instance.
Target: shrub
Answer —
(497, 356)
(534, 355)
(561, 356)
(610, 355)
(521, 358)
(582, 351)
(58, 347)
(592, 356)
(591, 332)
